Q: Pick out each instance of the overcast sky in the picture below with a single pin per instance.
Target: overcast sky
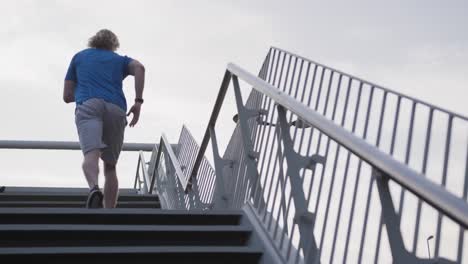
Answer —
(416, 47)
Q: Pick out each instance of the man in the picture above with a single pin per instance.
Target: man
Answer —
(94, 81)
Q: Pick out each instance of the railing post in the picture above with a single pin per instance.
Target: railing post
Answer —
(221, 198)
(155, 166)
(144, 172)
(252, 156)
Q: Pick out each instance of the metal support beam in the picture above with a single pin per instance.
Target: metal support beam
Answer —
(221, 199)
(252, 156)
(392, 223)
(296, 162)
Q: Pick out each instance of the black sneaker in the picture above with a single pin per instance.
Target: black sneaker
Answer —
(95, 198)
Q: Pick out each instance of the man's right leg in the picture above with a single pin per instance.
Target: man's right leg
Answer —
(88, 119)
(91, 167)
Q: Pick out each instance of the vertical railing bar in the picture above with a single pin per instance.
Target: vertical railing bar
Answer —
(237, 167)
(244, 182)
(424, 168)
(282, 71)
(345, 176)
(358, 174)
(308, 148)
(312, 84)
(242, 177)
(201, 181)
(267, 139)
(277, 65)
(328, 145)
(310, 140)
(274, 138)
(240, 173)
(392, 148)
(195, 150)
(379, 133)
(184, 153)
(236, 173)
(335, 103)
(273, 173)
(407, 155)
(263, 129)
(193, 153)
(280, 161)
(264, 99)
(284, 190)
(279, 145)
(209, 182)
(322, 75)
(333, 175)
(330, 83)
(444, 181)
(290, 197)
(292, 77)
(461, 232)
(209, 185)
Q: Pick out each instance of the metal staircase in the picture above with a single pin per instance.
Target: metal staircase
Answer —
(321, 167)
(49, 227)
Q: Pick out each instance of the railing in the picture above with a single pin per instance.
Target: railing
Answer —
(72, 145)
(313, 149)
(166, 174)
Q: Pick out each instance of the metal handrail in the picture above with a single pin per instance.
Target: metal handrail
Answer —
(433, 194)
(64, 145)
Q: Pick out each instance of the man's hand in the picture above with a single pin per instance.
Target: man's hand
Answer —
(136, 113)
(69, 91)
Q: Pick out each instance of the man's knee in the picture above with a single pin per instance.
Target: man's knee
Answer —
(109, 167)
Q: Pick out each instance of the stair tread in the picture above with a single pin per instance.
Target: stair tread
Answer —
(117, 216)
(69, 197)
(67, 190)
(123, 228)
(128, 249)
(118, 211)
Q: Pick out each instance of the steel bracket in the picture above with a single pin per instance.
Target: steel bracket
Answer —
(392, 223)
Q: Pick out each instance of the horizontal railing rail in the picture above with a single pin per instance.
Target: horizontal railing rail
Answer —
(65, 145)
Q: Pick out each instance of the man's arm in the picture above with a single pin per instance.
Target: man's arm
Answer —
(137, 69)
(69, 91)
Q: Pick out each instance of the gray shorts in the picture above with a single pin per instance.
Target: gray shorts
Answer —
(101, 125)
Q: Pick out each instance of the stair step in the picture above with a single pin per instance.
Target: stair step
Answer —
(77, 204)
(164, 254)
(72, 196)
(121, 235)
(14, 189)
(119, 216)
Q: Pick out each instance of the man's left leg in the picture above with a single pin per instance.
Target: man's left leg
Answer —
(113, 136)
(111, 186)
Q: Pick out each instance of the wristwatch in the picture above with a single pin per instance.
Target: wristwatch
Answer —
(139, 100)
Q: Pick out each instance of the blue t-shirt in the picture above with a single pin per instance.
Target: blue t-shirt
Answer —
(99, 73)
